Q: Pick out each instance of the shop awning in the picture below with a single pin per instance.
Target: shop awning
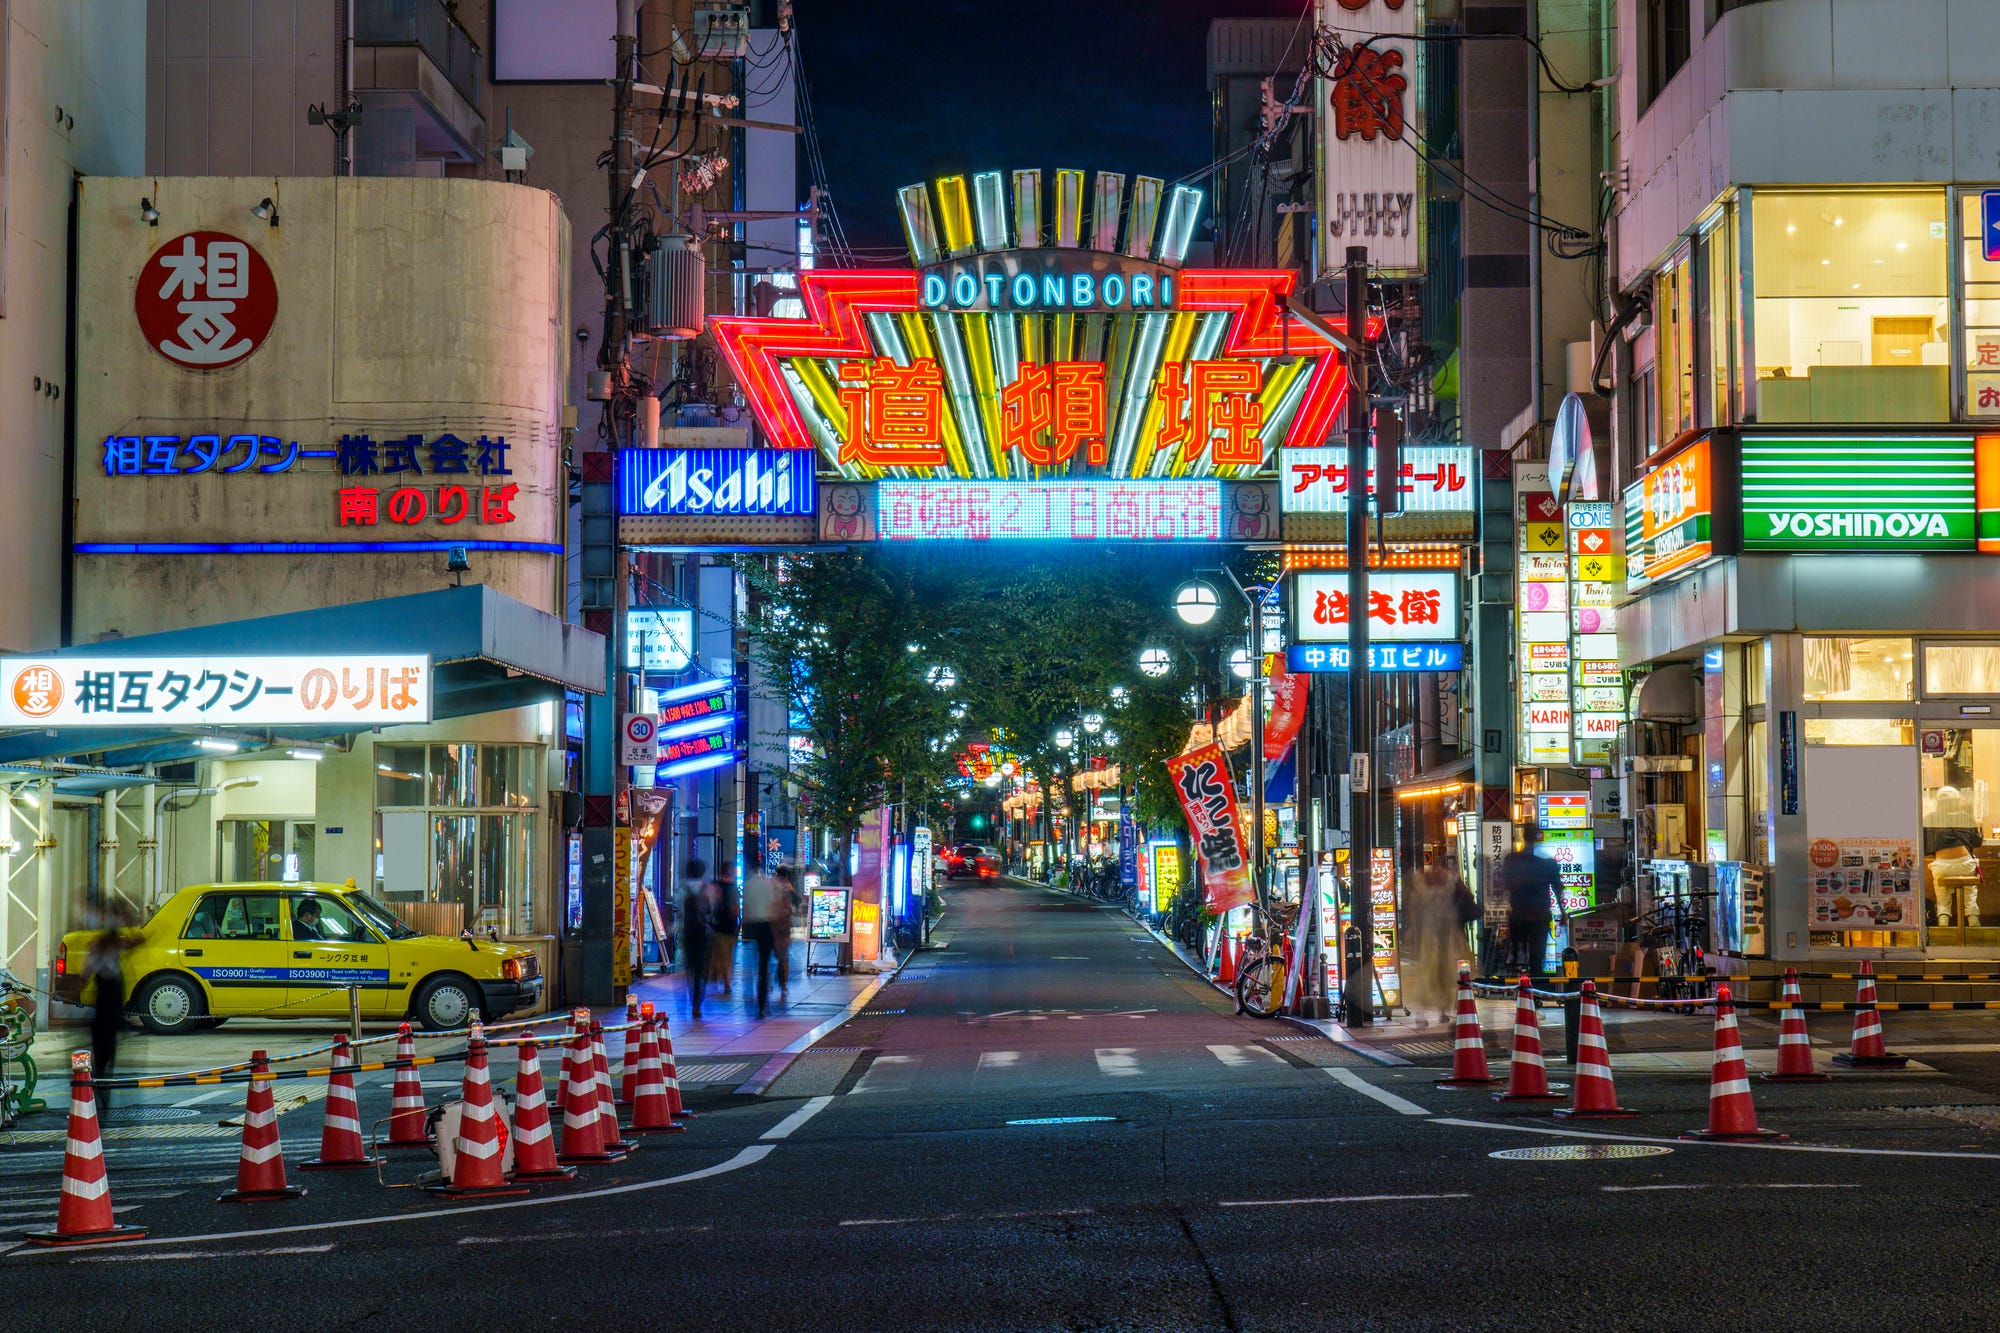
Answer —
(488, 653)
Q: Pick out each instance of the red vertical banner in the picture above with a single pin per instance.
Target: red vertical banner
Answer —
(1201, 776)
(1288, 711)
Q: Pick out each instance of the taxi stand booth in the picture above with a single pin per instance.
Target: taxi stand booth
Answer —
(454, 819)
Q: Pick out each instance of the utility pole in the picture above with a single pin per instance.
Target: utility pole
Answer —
(612, 355)
(1359, 968)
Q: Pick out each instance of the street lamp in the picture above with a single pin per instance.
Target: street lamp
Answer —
(1065, 739)
(1156, 662)
(1120, 696)
(943, 677)
(1093, 723)
(1239, 663)
(1195, 602)
(1111, 738)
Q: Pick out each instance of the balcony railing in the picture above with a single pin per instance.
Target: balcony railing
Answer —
(426, 25)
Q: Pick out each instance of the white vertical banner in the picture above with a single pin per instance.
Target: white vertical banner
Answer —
(1368, 130)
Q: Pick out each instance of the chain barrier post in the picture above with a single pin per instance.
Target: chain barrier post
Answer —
(1572, 1005)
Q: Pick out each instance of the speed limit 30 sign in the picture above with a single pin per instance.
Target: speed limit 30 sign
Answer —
(641, 740)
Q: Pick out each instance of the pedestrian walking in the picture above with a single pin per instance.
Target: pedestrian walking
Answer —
(784, 910)
(758, 892)
(694, 934)
(1434, 917)
(105, 966)
(724, 919)
(1534, 898)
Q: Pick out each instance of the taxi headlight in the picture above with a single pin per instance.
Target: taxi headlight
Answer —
(511, 969)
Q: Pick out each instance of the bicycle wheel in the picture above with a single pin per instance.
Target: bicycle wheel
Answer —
(1254, 986)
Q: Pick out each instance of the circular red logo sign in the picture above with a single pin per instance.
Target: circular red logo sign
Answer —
(206, 300)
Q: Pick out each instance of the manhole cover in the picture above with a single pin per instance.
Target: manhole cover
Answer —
(1579, 1152)
(151, 1115)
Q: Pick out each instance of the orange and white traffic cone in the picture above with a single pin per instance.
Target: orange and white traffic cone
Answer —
(613, 1142)
(534, 1140)
(1592, 1097)
(1468, 1046)
(407, 1113)
(1226, 964)
(340, 1143)
(652, 1113)
(629, 1061)
(583, 1119)
(83, 1209)
(1730, 1115)
(260, 1167)
(1866, 1051)
(479, 1152)
(669, 1073)
(1527, 1079)
(1795, 1058)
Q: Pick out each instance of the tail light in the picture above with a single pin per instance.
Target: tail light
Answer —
(62, 959)
(511, 969)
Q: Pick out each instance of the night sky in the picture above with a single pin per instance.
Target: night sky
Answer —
(917, 89)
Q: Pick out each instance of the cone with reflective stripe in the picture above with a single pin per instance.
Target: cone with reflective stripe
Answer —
(479, 1153)
(1226, 965)
(1592, 1096)
(1468, 1046)
(1795, 1058)
(652, 1113)
(83, 1209)
(260, 1167)
(669, 1074)
(583, 1120)
(340, 1145)
(601, 1068)
(534, 1138)
(629, 1061)
(1867, 1051)
(1527, 1080)
(1730, 1114)
(406, 1103)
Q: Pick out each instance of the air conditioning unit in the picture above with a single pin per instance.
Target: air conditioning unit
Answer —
(676, 287)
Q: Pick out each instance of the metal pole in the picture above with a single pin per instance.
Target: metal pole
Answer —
(1257, 745)
(354, 1013)
(1360, 723)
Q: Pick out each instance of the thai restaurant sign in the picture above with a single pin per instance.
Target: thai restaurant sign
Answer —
(1541, 617)
(1670, 517)
(1596, 708)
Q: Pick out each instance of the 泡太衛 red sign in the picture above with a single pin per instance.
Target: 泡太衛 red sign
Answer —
(206, 300)
(1201, 776)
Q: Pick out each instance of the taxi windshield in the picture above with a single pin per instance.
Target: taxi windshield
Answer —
(380, 917)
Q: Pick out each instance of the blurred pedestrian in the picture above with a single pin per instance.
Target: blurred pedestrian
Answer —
(105, 966)
(724, 919)
(784, 910)
(694, 934)
(1534, 895)
(758, 892)
(1435, 910)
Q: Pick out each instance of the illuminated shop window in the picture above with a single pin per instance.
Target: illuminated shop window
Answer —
(456, 828)
(1858, 670)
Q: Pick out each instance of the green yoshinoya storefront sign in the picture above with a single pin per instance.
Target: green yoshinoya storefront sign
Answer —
(1863, 493)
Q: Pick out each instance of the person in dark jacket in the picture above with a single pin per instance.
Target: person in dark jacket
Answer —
(1534, 896)
(694, 934)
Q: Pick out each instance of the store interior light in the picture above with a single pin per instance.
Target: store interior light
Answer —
(217, 744)
(32, 801)
(306, 752)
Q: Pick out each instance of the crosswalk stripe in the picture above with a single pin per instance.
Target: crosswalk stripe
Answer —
(1118, 1061)
(999, 1060)
(1238, 1056)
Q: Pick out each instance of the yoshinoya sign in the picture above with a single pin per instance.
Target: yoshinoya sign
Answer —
(330, 689)
(762, 482)
(1875, 492)
(1403, 605)
(206, 300)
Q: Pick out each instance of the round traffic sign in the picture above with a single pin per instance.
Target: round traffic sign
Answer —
(639, 728)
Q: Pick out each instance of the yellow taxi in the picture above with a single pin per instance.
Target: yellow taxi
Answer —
(213, 952)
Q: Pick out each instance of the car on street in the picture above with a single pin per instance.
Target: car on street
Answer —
(970, 860)
(213, 952)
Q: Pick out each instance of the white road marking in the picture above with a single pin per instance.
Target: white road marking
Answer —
(1400, 1105)
(1734, 1185)
(1715, 1143)
(961, 1217)
(1337, 1198)
(784, 1128)
(196, 1254)
(998, 1060)
(1118, 1061)
(577, 1235)
(882, 1064)
(1238, 1056)
(1069, 958)
(211, 1095)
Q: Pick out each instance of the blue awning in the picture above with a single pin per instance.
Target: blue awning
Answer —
(488, 653)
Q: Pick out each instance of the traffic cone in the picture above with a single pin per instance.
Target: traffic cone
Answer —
(83, 1209)
(1592, 1097)
(629, 1061)
(669, 1074)
(652, 1113)
(601, 1070)
(1730, 1115)
(534, 1140)
(260, 1167)
(583, 1120)
(407, 1114)
(1527, 1080)
(340, 1143)
(1226, 964)
(1468, 1047)
(1867, 1051)
(480, 1149)
(1795, 1058)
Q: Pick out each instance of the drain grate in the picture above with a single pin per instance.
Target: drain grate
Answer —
(1424, 1047)
(1580, 1152)
(883, 1011)
(154, 1115)
(835, 1050)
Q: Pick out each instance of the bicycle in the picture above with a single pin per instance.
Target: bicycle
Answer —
(17, 1034)
(1260, 976)
(1677, 931)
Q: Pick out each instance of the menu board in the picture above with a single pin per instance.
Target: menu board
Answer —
(828, 920)
(1862, 884)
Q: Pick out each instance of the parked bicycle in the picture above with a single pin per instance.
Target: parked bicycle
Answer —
(1260, 973)
(1676, 932)
(17, 1066)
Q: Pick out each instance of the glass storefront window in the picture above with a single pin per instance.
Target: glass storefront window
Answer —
(454, 775)
(1858, 670)
(1851, 307)
(1961, 835)
(1756, 663)
(463, 842)
(1962, 668)
(1979, 297)
(1759, 804)
(1722, 318)
(399, 775)
(1674, 364)
(1860, 731)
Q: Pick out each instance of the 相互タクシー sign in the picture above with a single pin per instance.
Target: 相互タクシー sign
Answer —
(106, 691)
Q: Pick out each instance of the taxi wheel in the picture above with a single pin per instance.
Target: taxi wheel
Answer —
(446, 1002)
(171, 1005)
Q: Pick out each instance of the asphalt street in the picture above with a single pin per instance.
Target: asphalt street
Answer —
(1051, 1123)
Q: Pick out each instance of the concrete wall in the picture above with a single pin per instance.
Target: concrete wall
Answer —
(228, 82)
(404, 306)
(87, 59)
